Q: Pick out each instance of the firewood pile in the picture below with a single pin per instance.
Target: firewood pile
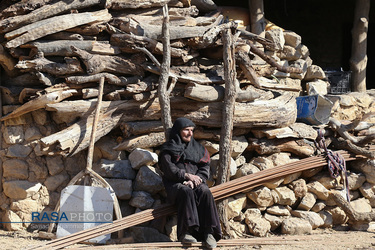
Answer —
(55, 52)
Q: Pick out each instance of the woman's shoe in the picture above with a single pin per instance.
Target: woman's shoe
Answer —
(188, 238)
(210, 241)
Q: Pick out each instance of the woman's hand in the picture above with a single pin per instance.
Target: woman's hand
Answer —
(195, 179)
(189, 184)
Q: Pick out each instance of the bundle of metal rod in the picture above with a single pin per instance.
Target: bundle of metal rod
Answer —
(246, 183)
(219, 192)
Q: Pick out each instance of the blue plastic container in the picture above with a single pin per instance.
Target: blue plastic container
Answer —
(313, 109)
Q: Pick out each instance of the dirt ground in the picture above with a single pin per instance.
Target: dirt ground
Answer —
(319, 239)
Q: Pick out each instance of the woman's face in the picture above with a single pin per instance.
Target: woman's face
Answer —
(187, 133)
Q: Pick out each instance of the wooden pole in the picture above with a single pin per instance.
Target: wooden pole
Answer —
(94, 125)
(257, 21)
(358, 60)
(227, 128)
(165, 105)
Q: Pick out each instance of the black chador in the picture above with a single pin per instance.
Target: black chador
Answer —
(178, 160)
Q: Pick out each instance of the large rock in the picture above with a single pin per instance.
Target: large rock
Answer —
(314, 72)
(274, 220)
(246, 169)
(355, 181)
(261, 196)
(317, 87)
(235, 205)
(13, 134)
(299, 187)
(278, 210)
(141, 157)
(19, 151)
(20, 189)
(289, 53)
(141, 200)
(214, 166)
(307, 202)
(286, 196)
(319, 206)
(302, 64)
(338, 215)
(53, 182)
(368, 191)
(55, 165)
(239, 145)
(211, 147)
(257, 225)
(104, 149)
(313, 218)
(295, 226)
(38, 170)
(318, 189)
(361, 205)
(237, 229)
(15, 169)
(115, 169)
(11, 216)
(32, 133)
(123, 188)
(277, 37)
(327, 219)
(292, 38)
(148, 179)
(367, 167)
(327, 181)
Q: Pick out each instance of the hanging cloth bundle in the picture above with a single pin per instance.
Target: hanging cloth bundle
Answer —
(336, 162)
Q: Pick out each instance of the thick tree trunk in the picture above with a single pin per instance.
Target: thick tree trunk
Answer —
(358, 60)
(44, 12)
(112, 64)
(63, 47)
(7, 62)
(76, 138)
(72, 66)
(275, 113)
(53, 25)
(257, 21)
(128, 42)
(165, 104)
(227, 128)
(129, 25)
(135, 4)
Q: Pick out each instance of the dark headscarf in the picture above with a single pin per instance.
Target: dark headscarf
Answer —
(192, 151)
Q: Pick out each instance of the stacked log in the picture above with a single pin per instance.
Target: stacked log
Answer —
(53, 56)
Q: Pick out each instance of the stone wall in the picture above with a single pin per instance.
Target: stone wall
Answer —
(295, 204)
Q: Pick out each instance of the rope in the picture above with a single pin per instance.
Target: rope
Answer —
(336, 162)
